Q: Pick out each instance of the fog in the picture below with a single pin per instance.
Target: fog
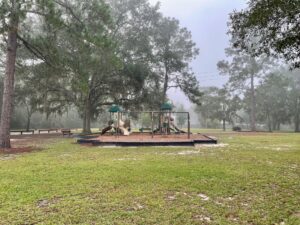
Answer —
(207, 20)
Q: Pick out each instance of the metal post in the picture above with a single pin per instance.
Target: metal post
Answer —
(118, 124)
(169, 127)
(160, 123)
(152, 127)
(189, 126)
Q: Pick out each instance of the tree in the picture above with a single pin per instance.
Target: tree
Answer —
(273, 101)
(27, 95)
(88, 59)
(294, 97)
(1, 76)
(135, 24)
(180, 117)
(86, 25)
(173, 51)
(1, 91)
(84, 57)
(219, 104)
(275, 26)
(13, 15)
(8, 82)
(242, 69)
(118, 72)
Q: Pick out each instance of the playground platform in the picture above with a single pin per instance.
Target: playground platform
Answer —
(146, 139)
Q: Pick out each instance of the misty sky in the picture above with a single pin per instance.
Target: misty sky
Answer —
(207, 20)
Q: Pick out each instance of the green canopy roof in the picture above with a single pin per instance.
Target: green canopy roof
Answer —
(115, 109)
(166, 106)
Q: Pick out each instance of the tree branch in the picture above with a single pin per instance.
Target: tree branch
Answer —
(35, 51)
(68, 7)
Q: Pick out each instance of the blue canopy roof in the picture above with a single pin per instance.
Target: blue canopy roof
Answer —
(166, 106)
(115, 109)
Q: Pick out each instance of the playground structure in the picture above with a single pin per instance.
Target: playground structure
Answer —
(160, 129)
(162, 122)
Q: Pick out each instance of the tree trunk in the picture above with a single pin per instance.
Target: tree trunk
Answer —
(297, 116)
(84, 121)
(297, 123)
(269, 122)
(29, 114)
(166, 81)
(253, 105)
(8, 91)
(28, 122)
(274, 124)
(88, 123)
(224, 117)
(1, 96)
(87, 117)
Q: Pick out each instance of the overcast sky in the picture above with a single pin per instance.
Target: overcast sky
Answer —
(207, 20)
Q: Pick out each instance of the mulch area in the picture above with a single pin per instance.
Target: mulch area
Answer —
(142, 137)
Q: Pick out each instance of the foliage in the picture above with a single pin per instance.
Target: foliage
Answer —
(244, 70)
(134, 26)
(90, 61)
(17, 27)
(181, 118)
(272, 98)
(274, 24)
(173, 50)
(241, 67)
(219, 104)
(145, 120)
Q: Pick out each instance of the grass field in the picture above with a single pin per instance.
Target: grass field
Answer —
(247, 179)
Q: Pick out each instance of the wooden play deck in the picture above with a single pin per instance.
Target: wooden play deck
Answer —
(144, 139)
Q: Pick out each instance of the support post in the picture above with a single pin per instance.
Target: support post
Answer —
(152, 126)
(189, 126)
(169, 127)
(118, 125)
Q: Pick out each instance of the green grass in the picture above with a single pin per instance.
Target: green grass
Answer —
(251, 180)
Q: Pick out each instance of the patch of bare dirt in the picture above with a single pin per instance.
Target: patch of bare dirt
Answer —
(18, 150)
(297, 215)
(28, 143)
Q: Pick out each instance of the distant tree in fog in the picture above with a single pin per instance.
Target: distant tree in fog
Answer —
(220, 105)
(243, 71)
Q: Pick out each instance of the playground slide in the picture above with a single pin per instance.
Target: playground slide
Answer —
(124, 131)
(178, 130)
(106, 129)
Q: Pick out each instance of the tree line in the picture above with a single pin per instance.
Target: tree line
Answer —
(276, 103)
(264, 41)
